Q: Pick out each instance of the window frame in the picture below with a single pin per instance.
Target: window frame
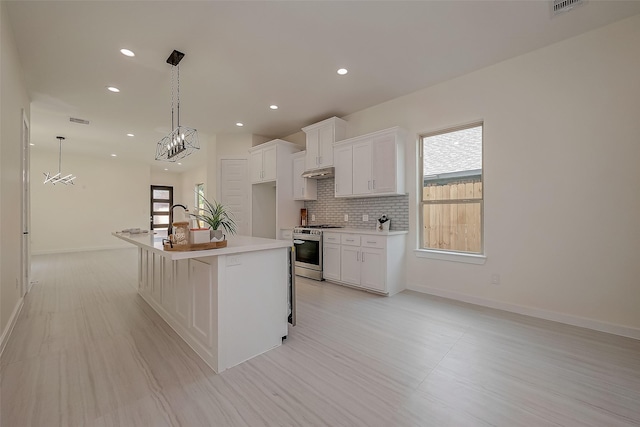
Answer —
(199, 190)
(449, 254)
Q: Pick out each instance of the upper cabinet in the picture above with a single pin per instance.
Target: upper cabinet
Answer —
(343, 160)
(303, 188)
(370, 165)
(264, 159)
(273, 207)
(263, 164)
(320, 139)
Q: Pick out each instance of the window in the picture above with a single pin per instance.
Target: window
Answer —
(451, 182)
(161, 201)
(199, 203)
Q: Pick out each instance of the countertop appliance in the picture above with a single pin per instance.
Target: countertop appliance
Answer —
(308, 248)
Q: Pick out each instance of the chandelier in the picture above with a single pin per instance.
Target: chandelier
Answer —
(182, 140)
(58, 178)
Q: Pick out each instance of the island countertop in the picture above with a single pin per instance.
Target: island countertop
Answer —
(235, 244)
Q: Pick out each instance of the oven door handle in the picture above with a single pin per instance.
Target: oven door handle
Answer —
(298, 242)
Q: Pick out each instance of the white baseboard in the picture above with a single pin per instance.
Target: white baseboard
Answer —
(12, 322)
(70, 250)
(583, 322)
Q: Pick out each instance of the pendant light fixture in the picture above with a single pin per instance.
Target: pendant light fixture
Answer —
(58, 178)
(182, 140)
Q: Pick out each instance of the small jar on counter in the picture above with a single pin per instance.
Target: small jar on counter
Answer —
(180, 233)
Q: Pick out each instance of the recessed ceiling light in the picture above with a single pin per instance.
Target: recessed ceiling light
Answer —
(130, 134)
(113, 155)
(31, 143)
(239, 124)
(113, 89)
(343, 71)
(166, 169)
(127, 52)
(273, 107)
(180, 164)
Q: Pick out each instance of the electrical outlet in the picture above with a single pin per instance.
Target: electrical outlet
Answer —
(365, 217)
(346, 217)
(233, 260)
(495, 279)
(313, 217)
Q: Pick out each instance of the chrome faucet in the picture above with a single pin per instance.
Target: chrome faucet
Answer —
(170, 228)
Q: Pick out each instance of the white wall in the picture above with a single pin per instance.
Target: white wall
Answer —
(188, 181)
(108, 195)
(561, 179)
(13, 100)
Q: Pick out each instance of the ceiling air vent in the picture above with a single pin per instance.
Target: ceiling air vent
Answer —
(80, 121)
(560, 6)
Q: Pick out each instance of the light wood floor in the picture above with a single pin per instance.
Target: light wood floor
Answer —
(87, 351)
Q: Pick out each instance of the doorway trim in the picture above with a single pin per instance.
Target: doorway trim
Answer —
(25, 257)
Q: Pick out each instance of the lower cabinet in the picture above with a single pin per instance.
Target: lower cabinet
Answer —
(368, 261)
(227, 308)
(331, 261)
(201, 301)
(182, 291)
(372, 269)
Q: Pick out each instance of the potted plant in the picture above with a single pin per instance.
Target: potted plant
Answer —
(216, 216)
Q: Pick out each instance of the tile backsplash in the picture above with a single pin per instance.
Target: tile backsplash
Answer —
(331, 210)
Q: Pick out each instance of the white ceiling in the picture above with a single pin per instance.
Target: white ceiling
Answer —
(242, 57)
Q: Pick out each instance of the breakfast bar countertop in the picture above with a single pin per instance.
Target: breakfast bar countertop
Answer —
(235, 244)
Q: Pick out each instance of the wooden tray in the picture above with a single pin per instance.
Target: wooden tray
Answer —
(195, 246)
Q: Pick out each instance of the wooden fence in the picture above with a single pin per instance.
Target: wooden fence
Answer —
(457, 225)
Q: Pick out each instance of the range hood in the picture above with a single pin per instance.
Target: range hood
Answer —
(319, 173)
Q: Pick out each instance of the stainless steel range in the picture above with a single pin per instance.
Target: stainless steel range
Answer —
(308, 243)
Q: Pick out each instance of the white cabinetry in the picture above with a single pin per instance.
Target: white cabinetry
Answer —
(331, 256)
(273, 207)
(228, 308)
(343, 159)
(365, 260)
(303, 188)
(202, 305)
(264, 164)
(370, 165)
(183, 290)
(320, 139)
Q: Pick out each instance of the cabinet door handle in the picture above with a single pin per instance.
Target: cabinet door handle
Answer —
(319, 160)
(358, 256)
(370, 242)
(374, 184)
(369, 185)
(362, 256)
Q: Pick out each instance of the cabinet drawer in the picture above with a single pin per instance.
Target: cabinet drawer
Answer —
(350, 239)
(331, 238)
(374, 241)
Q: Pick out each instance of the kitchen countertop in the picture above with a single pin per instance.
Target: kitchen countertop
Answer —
(235, 244)
(363, 231)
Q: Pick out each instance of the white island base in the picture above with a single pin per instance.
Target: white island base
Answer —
(229, 304)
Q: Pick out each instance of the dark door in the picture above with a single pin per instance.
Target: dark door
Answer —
(161, 201)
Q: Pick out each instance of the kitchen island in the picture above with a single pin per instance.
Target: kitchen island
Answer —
(229, 304)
